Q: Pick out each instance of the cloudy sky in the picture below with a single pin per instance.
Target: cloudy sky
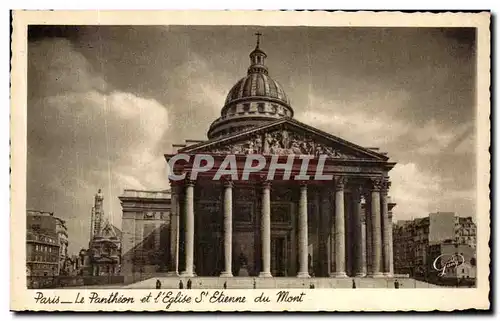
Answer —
(105, 104)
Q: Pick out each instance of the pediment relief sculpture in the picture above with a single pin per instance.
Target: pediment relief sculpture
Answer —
(281, 142)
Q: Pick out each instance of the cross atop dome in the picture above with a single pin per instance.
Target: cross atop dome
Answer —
(258, 34)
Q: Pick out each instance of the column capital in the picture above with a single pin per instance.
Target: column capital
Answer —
(340, 182)
(377, 184)
(189, 182)
(303, 184)
(175, 183)
(227, 181)
(386, 184)
(264, 182)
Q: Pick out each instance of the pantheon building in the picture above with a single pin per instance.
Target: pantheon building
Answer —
(258, 227)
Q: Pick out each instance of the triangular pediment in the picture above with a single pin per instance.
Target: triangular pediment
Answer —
(286, 137)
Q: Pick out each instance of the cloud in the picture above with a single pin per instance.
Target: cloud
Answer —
(55, 67)
(435, 139)
(413, 190)
(357, 126)
(81, 139)
(417, 192)
(200, 92)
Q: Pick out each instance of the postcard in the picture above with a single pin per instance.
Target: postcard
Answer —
(250, 161)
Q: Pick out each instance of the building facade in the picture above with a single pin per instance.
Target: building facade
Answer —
(465, 231)
(62, 236)
(145, 233)
(441, 227)
(418, 242)
(284, 226)
(42, 244)
(404, 247)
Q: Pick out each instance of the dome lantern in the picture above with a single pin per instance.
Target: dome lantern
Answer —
(257, 59)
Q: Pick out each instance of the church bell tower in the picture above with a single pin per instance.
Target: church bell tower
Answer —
(97, 215)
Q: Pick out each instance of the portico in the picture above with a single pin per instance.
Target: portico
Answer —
(272, 228)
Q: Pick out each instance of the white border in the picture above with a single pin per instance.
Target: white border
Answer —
(448, 21)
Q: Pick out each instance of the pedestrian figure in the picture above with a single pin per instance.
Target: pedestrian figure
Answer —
(254, 284)
(158, 284)
(311, 286)
(225, 285)
(189, 283)
(353, 284)
(181, 285)
(396, 284)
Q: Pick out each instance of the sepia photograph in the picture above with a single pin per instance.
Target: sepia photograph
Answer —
(285, 158)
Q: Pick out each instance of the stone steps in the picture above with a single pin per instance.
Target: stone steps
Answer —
(279, 282)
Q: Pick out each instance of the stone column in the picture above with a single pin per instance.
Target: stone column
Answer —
(387, 227)
(189, 239)
(303, 243)
(368, 229)
(376, 266)
(331, 240)
(265, 226)
(316, 264)
(339, 228)
(228, 228)
(360, 234)
(363, 251)
(390, 241)
(173, 230)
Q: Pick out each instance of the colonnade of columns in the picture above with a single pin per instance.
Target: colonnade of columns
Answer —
(373, 229)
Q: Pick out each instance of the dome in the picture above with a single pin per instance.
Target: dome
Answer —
(257, 85)
(254, 99)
